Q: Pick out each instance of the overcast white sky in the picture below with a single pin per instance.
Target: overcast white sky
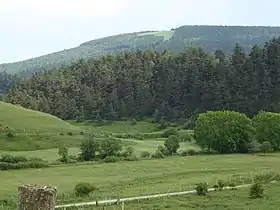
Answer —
(30, 28)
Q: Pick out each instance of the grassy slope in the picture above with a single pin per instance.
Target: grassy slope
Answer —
(33, 129)
(141, 177)
(223, 200)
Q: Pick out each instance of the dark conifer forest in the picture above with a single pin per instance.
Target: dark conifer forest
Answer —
(165, 84)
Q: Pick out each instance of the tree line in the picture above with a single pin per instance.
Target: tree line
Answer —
(172, 86)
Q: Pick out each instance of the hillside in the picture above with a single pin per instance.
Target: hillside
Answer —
(209, 38)
(25, 129)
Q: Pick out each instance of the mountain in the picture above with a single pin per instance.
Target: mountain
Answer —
(24, 129)
(210, 38)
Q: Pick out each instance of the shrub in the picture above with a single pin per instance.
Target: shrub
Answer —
(145, 154)
(267, 177)
(131, 158)
(158, 154)
(70, 133)
(201, 189)
(172, 144)
(169, 132)
(12, 159)
(10, 135)
(223, 131)
(133, 122)
(184, 153)
(88, 148)
(256, 190)
(22, 165)
(267, 127)
(128, 151)
(83, 189)
(162, 124)
(162, 149)
(110, 147)
(254, 147)
(186, 137)
(111, 159)
(221, 184)
(232, 185)
(63, 153)
(266, 147)
(191, 152)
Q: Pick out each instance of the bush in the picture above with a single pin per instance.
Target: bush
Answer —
(158, 154)
(267, 177)
(201, 189)
(266, 147)
(63, 153)
(256, 190)
(145, 154)
(191, 152)
(83, 189)
(128, 151)
(162, 124)
(169, 132)
(131, 158)
(221, 184)
(172, 144)
(110, 147)
(224, 131)
(186, 137)
(111, 159)
(10, 135)
(69, 133)
(267, 127)
(184, 153)
(89, 148)
(162, 149)
(254, 147)
(21, 165)
(133, 122)
(232, 185)
(12, 159)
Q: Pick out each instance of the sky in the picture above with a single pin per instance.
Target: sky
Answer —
(30, 28)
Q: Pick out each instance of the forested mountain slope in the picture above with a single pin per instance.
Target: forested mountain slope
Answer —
(170, 85)
(210, 38)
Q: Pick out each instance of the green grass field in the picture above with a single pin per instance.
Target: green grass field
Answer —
(125, 179)
(33, 130)
(220, 200)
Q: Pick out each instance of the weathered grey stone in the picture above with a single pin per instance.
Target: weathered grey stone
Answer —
(33, 197)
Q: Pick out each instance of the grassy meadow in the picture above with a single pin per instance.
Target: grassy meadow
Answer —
(151, 176)
(35, 134)
(219, 200)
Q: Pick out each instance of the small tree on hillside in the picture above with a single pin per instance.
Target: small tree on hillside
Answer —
(88, 148)
(63, 154)
(266, 147)
(172, 144)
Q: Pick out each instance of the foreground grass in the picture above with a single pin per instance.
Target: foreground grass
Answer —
(125, 179)
(220, 200)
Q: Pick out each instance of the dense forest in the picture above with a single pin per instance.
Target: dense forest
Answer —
(170, 85)
(210, 38)
(6, 82)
